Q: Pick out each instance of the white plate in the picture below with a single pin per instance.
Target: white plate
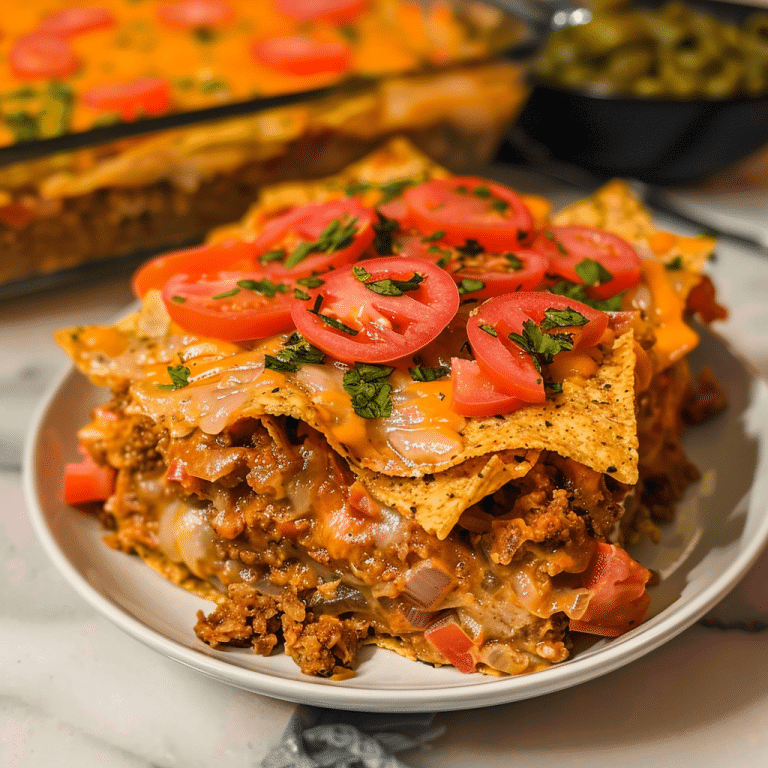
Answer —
(721, 527)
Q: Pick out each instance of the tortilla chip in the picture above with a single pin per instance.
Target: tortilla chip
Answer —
(437, 501)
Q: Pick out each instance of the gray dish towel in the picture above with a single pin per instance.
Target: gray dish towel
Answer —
(325, 738)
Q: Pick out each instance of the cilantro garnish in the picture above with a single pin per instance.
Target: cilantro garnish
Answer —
(265, 287)
(429, 373)
(337, 324)
(383, 230)
(470, 285)
(392, 189)
(562, 318)
(276, 255)
(578, 293)
(676, 263)
(369, 390)
(179, 377)
(470, 248)
(296, 351)
(226, 294)
(390, 287)
(310, 282)
(514, 262)
(301, 295)
(542, 347)
(593, 272)
(179, 299)
(361, 273)
(489, 329)
(439, 235)
(336, 236)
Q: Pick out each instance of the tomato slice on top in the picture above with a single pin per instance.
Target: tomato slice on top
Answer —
(474, 393)
(470, 208)
(143, 96)
(335, 11)
(544, 325)
(609, 262)
(43, 54)
(211, 259)
(80, 18)
(191, 14)
(315, 238)
(233, 306)
(302, 55)
(479, 273)
(378, 310)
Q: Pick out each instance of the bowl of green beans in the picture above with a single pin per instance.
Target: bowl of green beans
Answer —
(667, 95)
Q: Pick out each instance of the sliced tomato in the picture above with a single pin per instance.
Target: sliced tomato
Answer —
(143, 96)
(470, 208)
(302, 55)
(232, 306)
(619, 598)
(510, 367)
(450, 639)
(81, 18)
(86, 481)
(334, 11)
(350, 319)
(42, 54)
(338, 230)
(233, 255)
(574, 244)
(481, 274)
(474, 393)
(191, 14)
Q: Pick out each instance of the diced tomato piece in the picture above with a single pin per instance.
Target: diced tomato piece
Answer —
(302, 55)
(43, 55)
(191, 14)
(619, 600)
(450, 639)
(80, 18)
(86, 481)
(144, 96)
(335, 11)
(475, 395)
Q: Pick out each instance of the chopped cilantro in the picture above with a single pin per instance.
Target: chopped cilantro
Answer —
(489, 329)
(264, 287)
(429, 373)
(296, 351)
(275, 255)
(470, 285)
(390, 287)
(337, 324)
(361, 273)
(470, 248)
(369, 390)
(578, 293)
(226, 294)
(393, 189)
(514, 261)
(439, 235)
(382, 241)
(336, 236)
(562, 318)
(179, 299)
(593, 272)
(311, 282)
(676, 263)
(482, 192)
(542, 347)
(302, 295)
(179, 377)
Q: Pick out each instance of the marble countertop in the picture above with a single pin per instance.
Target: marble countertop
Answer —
(76, 691)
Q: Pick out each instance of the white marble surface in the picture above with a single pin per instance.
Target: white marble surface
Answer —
(75, 691)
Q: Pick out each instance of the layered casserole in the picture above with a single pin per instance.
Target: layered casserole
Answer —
(401, 407)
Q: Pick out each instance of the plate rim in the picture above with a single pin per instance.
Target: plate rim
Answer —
(491, 691)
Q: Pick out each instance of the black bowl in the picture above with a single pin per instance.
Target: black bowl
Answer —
(660, 141)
